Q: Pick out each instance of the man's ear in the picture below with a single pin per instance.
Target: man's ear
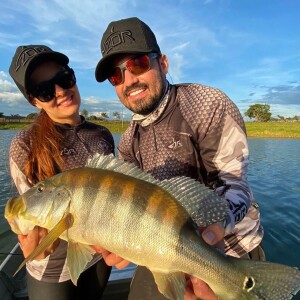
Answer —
(164, 63)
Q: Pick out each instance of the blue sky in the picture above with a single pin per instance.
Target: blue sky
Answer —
(247, 48)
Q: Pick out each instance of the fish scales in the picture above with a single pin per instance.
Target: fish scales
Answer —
(138, 206)
(147, 222)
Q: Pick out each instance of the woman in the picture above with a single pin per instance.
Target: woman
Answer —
(59, 139)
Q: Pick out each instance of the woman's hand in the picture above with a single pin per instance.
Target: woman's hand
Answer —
(31, 240)
(111, 259)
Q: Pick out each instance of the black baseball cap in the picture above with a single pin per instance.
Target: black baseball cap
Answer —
(27, 58)
(124, 36)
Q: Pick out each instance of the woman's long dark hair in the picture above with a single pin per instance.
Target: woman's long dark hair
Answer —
(44, 159)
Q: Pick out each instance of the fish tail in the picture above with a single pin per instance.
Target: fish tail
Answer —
(265, 280)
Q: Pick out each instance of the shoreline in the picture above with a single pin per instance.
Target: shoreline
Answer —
(288, 130)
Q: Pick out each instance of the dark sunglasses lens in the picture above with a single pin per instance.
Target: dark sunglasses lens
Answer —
(45, 91)
(65, 79)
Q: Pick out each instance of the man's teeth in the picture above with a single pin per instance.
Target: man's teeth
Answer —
(136, 92)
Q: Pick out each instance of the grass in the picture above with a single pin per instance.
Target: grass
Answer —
(254, 129)
(14, 126)
(273, 129)
(113, 126)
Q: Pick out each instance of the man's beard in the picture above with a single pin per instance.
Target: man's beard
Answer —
(145, 106)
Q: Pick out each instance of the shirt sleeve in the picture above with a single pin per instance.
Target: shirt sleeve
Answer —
(17, 158)
(225, 155)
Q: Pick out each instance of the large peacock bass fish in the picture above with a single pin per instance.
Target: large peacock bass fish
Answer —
(113, 204)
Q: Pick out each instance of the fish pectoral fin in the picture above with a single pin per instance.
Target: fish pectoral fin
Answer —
(171, 285)
(65, 223)
(78, 256)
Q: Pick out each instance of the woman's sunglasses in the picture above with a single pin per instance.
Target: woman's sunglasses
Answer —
(137, 66)
(45, 91)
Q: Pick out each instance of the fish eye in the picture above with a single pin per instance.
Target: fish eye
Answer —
(40, 188)
(249, 283)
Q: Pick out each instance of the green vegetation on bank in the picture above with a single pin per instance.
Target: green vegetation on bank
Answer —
(254, 129)
(113, 126)
(273, 129)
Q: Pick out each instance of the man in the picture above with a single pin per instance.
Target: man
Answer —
(180, 130)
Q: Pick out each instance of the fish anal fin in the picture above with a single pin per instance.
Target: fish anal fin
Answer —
(65, 223)
(78, 256)
(171, 285)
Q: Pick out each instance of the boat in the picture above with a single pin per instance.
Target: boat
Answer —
(14, 287)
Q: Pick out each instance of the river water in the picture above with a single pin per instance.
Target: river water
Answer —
(274, 176)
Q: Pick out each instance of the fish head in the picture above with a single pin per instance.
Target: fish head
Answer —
(42, 205)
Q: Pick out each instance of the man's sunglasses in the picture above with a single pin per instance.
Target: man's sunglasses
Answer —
(45, 91)
(137, 66)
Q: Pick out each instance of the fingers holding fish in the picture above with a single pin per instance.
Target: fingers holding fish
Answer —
(214, 235)
(31, 240)
(196, 289)
(111, 259)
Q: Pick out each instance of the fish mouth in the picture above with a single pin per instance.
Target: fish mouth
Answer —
(14, 207)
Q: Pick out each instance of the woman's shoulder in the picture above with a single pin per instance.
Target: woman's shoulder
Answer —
(20, 145)
(23, 136)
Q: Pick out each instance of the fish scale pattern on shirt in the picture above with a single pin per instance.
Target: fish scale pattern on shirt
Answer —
(79, 144)
(207, 115)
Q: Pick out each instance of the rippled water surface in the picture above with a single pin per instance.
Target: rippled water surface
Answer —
(274, 176)
(275, 181)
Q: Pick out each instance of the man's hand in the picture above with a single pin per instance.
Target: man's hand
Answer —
(196, 288)
(31, 240)
(111, 259)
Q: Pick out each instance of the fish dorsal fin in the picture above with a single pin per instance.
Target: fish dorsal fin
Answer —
(203, 204)
(109, 162)
(171, 285)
